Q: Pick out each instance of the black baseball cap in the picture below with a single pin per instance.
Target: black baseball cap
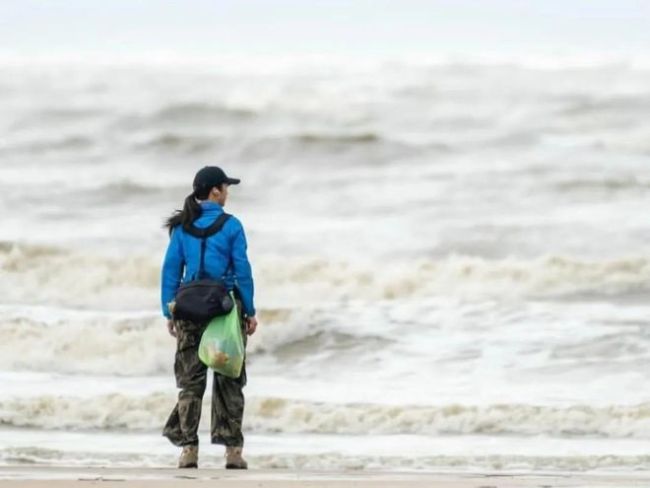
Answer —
(210, 176)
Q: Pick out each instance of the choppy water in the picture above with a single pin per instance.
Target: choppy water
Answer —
(451, 260)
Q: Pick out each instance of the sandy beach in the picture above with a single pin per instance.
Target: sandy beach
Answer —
(31, 477)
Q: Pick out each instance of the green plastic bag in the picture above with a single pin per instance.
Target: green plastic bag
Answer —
(222, 345)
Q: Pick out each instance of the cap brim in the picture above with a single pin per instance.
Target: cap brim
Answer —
(233, 181)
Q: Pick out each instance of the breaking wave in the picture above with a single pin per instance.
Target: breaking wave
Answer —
(197, 143)
(200, 112)
(87, 344)
(70, 144)
(50, 275)
(324, 138)
(190, 144)
(278, 415)
(137, 344)
(333, 461)
(80, 278)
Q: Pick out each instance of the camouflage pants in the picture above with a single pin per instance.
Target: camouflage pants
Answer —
(191, 377)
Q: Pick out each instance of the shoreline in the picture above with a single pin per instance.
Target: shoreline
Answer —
(48, 476)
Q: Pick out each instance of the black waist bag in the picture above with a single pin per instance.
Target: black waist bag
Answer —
(203, 299)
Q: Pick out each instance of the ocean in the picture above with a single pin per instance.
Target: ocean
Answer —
(451, 260)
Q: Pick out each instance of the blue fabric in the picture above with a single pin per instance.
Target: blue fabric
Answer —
(227, 246)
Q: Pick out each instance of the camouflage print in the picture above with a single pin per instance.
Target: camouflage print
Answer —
(191, 377)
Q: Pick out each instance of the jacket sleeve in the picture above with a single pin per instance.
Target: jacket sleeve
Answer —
(242, 271)
(172, 271)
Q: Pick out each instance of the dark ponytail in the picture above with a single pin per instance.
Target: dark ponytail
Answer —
(191, 211)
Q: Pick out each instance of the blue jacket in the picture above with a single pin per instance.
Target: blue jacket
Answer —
(223, 248)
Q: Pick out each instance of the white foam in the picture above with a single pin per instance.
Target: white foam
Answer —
(82, 278)
(265, 415)
(326, 452)
(436, 240)
(442, 349)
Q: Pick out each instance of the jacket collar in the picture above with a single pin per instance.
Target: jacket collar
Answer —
(211, 206)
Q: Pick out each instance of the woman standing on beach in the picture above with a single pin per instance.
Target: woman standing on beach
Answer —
(226, 259)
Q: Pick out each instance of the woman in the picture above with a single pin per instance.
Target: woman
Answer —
(225, 258)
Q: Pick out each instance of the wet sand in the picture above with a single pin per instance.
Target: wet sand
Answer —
(51, 477)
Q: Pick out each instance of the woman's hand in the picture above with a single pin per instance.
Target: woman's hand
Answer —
(251, 325)
(171, 328)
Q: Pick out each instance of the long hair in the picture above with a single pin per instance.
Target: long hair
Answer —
(191, 209)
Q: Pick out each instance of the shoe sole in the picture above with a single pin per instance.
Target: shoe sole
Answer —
(235, 466)
(189, 466)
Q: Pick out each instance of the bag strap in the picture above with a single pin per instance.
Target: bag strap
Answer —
(208, 231)
(203, 234)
